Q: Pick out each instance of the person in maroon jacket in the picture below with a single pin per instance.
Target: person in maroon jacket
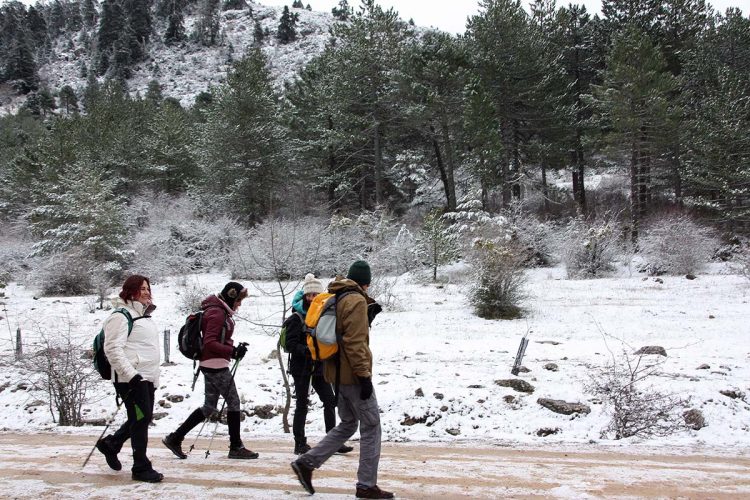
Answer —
(218, 349)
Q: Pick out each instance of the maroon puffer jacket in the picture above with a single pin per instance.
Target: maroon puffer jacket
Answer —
(216, 313)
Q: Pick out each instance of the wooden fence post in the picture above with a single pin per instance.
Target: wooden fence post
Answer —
(19, 344)
(166, 346)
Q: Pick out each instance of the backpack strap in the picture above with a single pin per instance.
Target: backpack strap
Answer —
(130, 320)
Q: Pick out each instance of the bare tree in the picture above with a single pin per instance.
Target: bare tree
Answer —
(280, 250)
(62, 369)
(627, 386)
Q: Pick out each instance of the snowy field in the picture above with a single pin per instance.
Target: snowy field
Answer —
(436, 363)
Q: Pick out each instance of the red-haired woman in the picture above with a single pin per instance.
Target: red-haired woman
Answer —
(131, 343)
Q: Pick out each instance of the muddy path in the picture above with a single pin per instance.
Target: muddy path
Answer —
(48, 465)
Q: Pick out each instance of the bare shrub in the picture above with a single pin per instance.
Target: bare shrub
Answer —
(63, 371)
(65, 274)
(174, 240)
(637, 408)
(397, 255)
(590, 248)
(499, 279)
(191, 295)
(532, 237)
(383, 290)
(675, 244)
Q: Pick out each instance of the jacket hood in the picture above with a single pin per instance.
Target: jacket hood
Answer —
(345, 285)
(214, 300)
(298, 303)
(136, 306)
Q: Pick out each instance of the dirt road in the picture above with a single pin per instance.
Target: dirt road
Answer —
(49, 466)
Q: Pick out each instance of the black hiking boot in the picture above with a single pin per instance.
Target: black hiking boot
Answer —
(300, 446)
(345, 449)
(241, 453)
(175, 445)
(373, 492)
(304, 474)
(110, 455)
(148, 476)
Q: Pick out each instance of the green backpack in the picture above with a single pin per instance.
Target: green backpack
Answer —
(101, 363)
(285, 326)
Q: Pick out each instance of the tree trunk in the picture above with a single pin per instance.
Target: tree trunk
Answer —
(442, 168)
(545, 191)
(378, 166)
(450, 167)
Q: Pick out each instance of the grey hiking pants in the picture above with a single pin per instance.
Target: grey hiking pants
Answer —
(353, 413)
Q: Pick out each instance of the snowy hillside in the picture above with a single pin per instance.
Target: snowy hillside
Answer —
(436, 364)
(185, 70)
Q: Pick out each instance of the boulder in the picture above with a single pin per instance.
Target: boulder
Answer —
(563, 407)
(704, 366)
(652, 349)
(264, 412)
(419, 393)
(551, 367)
(175, 398)
(694, 419)
(547, 431)
(517, 384)
(733, 393)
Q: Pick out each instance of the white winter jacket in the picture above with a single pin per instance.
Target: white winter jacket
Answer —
(137, 353)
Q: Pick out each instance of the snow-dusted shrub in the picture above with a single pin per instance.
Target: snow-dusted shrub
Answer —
(471, 226)
(281, 249)
(63, 374)
(636, 407)
(191, 295)
(675, 244)
(532, 236)
(590, 248)
(173, 240)
(436, 246)
(499, 279)
(397, 255)
(65, 274)
(383, 290)
(13, 254)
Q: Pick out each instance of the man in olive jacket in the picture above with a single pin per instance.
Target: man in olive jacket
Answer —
(357, 405)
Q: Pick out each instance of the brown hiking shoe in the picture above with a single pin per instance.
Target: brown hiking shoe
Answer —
(242, 453)
(304, 474)
(373, 492)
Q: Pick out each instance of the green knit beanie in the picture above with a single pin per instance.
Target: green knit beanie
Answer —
(359, 271)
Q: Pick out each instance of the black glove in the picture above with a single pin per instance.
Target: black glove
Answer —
(365, 389)
(372, 311)
(239, 351)
(133, 383)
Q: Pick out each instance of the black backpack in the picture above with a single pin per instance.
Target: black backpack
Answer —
(190, 338)
(101, 363)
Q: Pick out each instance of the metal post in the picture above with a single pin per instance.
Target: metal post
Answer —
(19, 345)
(166, 346)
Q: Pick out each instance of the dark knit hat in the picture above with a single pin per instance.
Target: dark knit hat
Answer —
(359, 271)
(232, 293)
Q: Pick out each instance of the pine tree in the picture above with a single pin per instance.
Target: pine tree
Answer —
(633, 103)
(297, 4)
(68, 100)
(435, 74)
(111, 27)
(239, 148)
(89, 13)
(437, 245)
(169, 140)
(80, 211)
(343, 12)
(287, 31)
(258, 34)
(207, 26)
(506, 62)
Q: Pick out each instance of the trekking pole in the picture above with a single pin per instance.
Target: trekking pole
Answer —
(111, 419)
(223, 404)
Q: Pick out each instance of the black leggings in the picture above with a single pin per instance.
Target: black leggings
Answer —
(139, 403)
(325, 393)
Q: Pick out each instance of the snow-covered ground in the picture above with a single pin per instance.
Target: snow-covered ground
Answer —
(427, 341)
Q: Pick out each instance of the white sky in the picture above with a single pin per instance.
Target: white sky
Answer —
(450, 15)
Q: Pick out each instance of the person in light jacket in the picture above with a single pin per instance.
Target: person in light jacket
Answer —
(131, 344)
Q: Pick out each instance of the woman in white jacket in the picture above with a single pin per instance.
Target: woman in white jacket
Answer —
(131, 343)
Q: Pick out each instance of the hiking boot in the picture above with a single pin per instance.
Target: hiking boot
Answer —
(301, 447)
(304, 474)
(110, 455)
(174, 445)
(373, 492)
(345, 449)
(148, 476)
(241, 453)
